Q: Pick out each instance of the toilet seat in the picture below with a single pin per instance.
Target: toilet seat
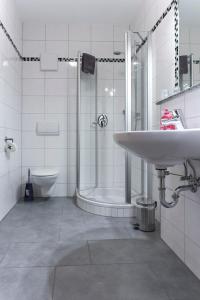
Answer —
(44, 172)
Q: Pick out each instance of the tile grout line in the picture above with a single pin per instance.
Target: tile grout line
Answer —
(55, 267)
(89, 252)
(165, 290)
(54, 283)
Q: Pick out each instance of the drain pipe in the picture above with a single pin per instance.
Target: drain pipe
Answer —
(182, 188)
(162, 190)
(193, 184)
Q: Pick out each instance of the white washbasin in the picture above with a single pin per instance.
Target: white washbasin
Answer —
(160, 147)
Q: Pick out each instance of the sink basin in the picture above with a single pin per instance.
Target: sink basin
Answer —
(160, 147)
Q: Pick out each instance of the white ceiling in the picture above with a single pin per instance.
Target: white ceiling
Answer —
(79, 11)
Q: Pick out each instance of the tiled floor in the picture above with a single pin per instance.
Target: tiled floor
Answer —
(53, 250)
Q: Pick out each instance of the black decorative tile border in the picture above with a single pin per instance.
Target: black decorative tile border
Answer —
(10, 39)
(165, 13)
(111, 60)
(176, 28)
(68, 59)
(31, 58)
(173, 4)
(101, 59)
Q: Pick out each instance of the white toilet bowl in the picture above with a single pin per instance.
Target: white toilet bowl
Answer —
(45, 179)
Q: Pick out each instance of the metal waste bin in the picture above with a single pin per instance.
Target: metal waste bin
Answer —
(145, 213)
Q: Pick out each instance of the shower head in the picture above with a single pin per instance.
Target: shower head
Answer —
(134, 57)
(118, 52)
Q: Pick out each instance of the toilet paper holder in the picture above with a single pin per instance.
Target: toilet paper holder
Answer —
(8, 139)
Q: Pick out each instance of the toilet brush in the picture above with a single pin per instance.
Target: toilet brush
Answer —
(28, 196)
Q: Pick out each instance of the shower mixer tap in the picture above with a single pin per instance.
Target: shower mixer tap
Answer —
(102, 121)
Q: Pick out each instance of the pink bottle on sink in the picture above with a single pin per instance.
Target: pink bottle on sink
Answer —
(165, 119)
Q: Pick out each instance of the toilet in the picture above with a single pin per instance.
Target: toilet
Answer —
(45, 179)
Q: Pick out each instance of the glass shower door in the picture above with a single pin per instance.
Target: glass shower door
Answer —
(86, 150)
(136, 111)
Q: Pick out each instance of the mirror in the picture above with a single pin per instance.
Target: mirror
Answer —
(189, 43)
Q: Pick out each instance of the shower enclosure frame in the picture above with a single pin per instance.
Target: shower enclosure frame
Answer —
(87, 204)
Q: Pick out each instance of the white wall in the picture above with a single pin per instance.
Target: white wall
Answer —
(52, 95)
(179, 225)
(10, 107)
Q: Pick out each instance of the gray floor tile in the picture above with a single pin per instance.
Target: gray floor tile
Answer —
(143, 235)
(3, 251)
(114, 282)
(31, 219)
(41, 213)
(178, 280)
(26, 283)
(105, 232)
(29, 233)
(128, 251)
(46, 254)
(81, 230)
(72, 231)
(54, 233)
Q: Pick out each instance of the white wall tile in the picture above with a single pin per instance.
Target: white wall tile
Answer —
(32, 70)
(192, 220)
(10, 107)
(62, 71)
(34, 31)
(56, 105)
(29, 121)
(173, 237)
(62, 119)
(33, 104)
(56, 157)
(56, 32)
(33, 87)
(57, 142)
(60, 48)
(102, 49)
(192, 256)
(56, 87)
(32, 141)
(192, 103)
(79, 32)
(105, 70)
(102, 32)
(33, 48)
(75, 46)
(119, 32)
(33, 157)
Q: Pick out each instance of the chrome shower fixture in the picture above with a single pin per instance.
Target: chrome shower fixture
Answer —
(102, 121)
(118, 52)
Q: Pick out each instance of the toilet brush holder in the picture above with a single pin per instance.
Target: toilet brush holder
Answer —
(28, 194)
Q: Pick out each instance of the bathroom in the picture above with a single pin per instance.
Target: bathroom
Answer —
(74, 178)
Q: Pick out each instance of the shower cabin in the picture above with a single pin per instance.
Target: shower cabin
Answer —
(114, 99)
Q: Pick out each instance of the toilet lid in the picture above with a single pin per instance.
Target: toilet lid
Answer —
(44, 172)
